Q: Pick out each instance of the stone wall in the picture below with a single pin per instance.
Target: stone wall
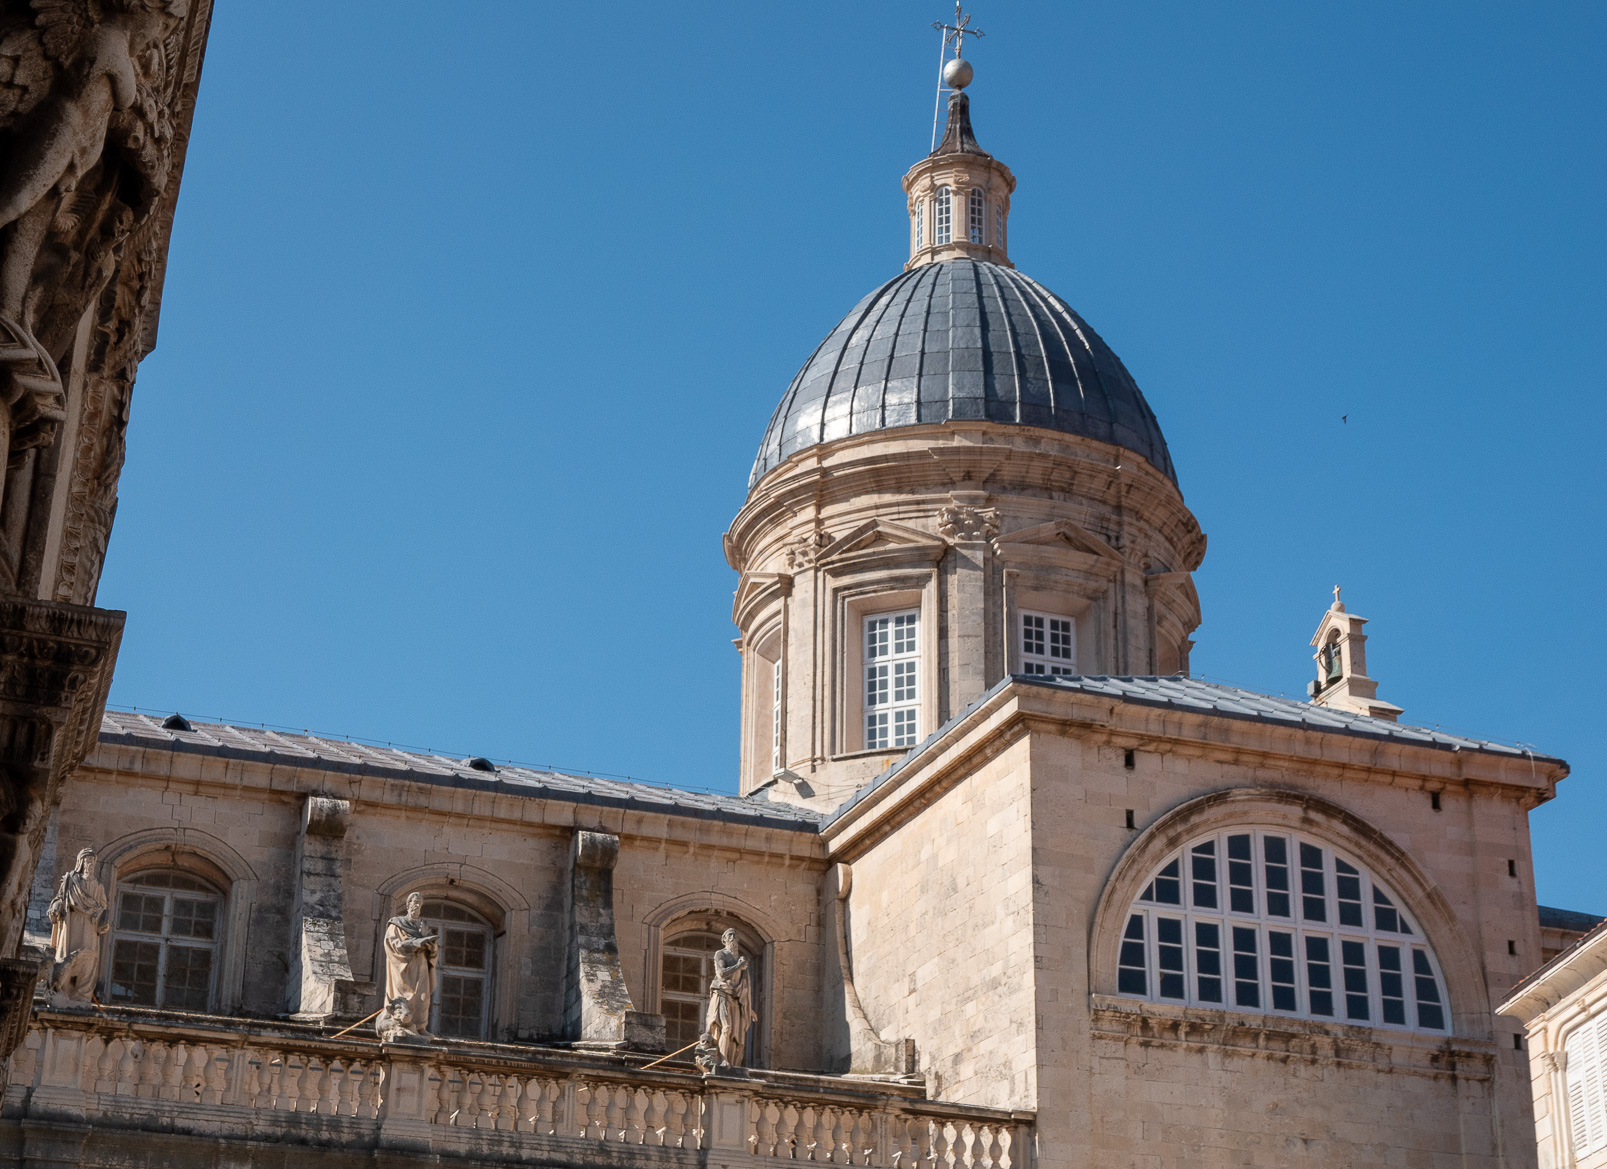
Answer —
(507, 856)
(941, 929)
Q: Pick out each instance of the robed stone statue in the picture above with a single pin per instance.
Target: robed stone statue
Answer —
(730, 1010)
(78, 919)
(411, 948)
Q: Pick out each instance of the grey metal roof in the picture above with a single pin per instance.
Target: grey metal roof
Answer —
(339, 756)
(1568, 919)
(1201, 697)
(962, 340)
(1216, 698)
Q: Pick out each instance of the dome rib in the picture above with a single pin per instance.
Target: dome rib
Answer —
(962, 340)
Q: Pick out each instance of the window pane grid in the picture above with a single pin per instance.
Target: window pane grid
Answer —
(1048, 644)
(163, 942)
(892, 680)
(944, 226)
(1291, 938)
(975, 215)
(462, 997)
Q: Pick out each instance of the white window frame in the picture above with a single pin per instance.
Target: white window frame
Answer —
(1585, 1082)
(920, 224)
(485, 974)
(943, 211)
(890, 671)
(1047, 641)
(1192, 910)
(776, 716)
(976, 215)
(166, 940)
(998, 225)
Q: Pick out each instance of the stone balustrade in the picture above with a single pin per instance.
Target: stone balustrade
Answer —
(149, 1076)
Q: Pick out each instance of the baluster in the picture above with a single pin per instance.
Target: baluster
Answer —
(331, 1087)
(861, 1140)
(106, 1066)
(216, 1076)
(951, 1138)
(827, 1143)
(251, 1082)
(765, 1128)
(94, 1047)
(173, 1070)
(806, 1133)
(965, 1146)
(490, 1092)
(596, 1112)
(467, 1085)
(149, 1084)
(194, 1074)
(1007, 1142)
(614, 1097)
(675, 1120)
(290, 1090)
(508, 1108)
(276, 1079)
(787, 1141)
(635, 1123)
(653, 1121)
(842, 1137)
(537, 1111)
(436, 1096)
(362, 1093)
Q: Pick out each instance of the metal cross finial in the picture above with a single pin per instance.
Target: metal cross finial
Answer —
(955, 34)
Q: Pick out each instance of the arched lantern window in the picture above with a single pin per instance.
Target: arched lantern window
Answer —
(1259, 920)
(944, 213)
(976, 215)
(920, 224)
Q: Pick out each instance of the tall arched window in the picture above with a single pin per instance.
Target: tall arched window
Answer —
(944, 228)
(976, 215)
(164, 941)
(463, 970)
(1269, 921)
(998, 226)
(920, 224)
(688, 966)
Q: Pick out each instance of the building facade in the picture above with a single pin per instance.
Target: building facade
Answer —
(1012, 887)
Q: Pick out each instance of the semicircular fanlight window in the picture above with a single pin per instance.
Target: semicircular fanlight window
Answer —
(1275, 922)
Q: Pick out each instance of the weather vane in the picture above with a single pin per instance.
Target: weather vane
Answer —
(955, 73)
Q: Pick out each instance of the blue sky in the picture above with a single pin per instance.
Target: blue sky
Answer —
(473, 323)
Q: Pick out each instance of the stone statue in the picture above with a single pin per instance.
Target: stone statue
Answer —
(78, 919)
(730, 1011)
(410, 952)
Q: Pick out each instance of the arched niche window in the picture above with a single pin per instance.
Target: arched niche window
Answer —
(461, 1008)
(943, 212)
(976, 215)
(1274, 922)
(165, 929)
(687, 968)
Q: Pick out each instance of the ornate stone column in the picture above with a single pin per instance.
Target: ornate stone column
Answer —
(94, 121)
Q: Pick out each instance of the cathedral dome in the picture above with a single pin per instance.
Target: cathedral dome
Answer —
(962, 340)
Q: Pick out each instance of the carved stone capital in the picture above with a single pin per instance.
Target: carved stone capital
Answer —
(966, 523)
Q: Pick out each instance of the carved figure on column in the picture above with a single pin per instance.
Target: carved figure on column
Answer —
(78, 919)
(730, 1011)
(411, 948)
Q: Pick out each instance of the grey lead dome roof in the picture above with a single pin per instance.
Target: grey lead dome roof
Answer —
(962, 340)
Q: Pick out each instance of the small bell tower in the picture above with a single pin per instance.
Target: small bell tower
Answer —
(1342, 681)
